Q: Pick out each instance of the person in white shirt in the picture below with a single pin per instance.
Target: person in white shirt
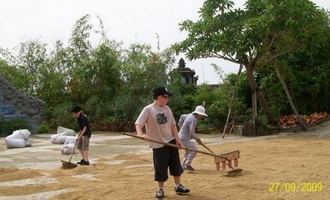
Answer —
(181, 120)
(160, 126)
(187, 132)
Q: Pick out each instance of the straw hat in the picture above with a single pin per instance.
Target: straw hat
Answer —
(200, 110)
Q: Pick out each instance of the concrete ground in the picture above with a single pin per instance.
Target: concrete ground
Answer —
(118, 160)
(103, 146)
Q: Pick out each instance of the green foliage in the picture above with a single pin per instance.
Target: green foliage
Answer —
(218, 99)
(31, 57)
(13, 75)
(60, 116)
(183, 100)
(113, 83)
(43, 128)
(52, 86)
(218, 33)
(8, 126)
(290, 34)
(215, 99)
(205, 95)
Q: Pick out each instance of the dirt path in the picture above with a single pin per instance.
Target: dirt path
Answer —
(288, 166)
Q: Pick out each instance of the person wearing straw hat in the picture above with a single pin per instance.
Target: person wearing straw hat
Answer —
(187, 132)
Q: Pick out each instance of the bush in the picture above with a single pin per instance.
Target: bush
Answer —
(43, 128)
(204, 127)
(62, 117)
(8, 126)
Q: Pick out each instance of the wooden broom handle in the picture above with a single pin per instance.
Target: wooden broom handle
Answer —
(173, 145)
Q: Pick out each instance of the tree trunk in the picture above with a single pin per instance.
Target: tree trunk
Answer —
(260, 94)
(254, 111)
(231, 100)
(232, 126)
(287, 92)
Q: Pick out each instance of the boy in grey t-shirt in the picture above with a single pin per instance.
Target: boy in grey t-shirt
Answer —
(187, 132)
(160, 126)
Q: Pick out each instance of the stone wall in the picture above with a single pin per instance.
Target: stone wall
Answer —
(15, 104)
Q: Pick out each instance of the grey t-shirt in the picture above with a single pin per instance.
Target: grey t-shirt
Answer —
(158, 122)
(187, 131)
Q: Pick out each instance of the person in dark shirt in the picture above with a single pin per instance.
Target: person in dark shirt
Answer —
(84, 134)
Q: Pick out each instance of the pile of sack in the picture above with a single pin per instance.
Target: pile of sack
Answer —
(61, 136)
(19, 139)
(64, 136)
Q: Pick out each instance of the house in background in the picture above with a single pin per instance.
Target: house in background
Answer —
(187, 74)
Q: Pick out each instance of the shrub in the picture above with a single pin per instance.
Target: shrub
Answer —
(62, 117)
(43, 128)
(8, 126)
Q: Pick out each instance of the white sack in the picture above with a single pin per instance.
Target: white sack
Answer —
(62, 134)
(28, 143)
(58, 139)
(67, 149)
(70, 140)
(16, 135)
(14, 143)
(65, 131)
(18, 139)
(25, 134)
(53, 138)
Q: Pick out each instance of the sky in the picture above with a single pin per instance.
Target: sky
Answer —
(126, 21)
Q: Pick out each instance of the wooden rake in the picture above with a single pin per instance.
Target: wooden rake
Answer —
(222, 163)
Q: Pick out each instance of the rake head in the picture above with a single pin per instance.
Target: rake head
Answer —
(68, 165)
(234, 172)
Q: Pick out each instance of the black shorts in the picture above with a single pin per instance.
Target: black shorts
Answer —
(164, 158)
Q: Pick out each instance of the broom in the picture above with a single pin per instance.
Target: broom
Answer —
(69, 164)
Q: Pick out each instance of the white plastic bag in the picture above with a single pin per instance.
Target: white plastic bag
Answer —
(65, 131)
(62, 134)
(70, 140)
(28, 143)
(68, 146)
(67, 149)
(19, 139)
(16, 135)
(25, 134)
(14, 143)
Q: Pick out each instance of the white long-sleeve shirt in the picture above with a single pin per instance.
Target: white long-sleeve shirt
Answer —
(187, 130)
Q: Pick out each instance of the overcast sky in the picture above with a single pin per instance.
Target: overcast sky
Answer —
(128, 21)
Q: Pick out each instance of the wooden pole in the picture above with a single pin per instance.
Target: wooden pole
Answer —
(174, 146)
(254, 112)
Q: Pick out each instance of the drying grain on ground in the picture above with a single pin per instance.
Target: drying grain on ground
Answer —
(273, 168)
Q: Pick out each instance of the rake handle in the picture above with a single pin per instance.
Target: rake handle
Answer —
(173, 145)
(206, 147)
(74, 147)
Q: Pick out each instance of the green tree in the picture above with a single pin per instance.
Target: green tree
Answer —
(79, 56)
(27, 60)
(12, 74)
(141, 71)
(255, 37)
